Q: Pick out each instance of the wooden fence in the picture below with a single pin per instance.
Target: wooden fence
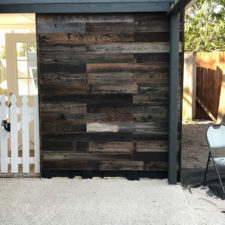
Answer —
(204, 86)
(20, 119)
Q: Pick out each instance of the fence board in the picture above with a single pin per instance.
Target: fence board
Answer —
(14, 159)
(209, 75)
(36, 137)
(14, 135)
(3, 137)
(25, 136)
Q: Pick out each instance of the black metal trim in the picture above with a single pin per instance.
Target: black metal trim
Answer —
(96, 7)
(173, 106)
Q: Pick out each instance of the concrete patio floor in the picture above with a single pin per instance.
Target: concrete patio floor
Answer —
(109, 201)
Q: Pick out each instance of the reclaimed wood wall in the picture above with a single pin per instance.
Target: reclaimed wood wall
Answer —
(104, 88)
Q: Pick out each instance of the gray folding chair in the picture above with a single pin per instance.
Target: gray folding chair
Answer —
(216, 139)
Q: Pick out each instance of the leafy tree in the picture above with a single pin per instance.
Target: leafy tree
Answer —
(2, 52)
(26, 47)
(205, 26)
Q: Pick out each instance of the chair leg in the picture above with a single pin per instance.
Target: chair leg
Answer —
(217, 171)
(206, 171)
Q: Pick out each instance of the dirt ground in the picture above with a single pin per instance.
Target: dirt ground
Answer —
(108, 201)
(194, 144)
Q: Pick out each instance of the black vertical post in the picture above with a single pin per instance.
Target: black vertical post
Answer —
(173, 97)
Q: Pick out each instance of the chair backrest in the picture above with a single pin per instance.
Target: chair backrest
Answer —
(216, 136)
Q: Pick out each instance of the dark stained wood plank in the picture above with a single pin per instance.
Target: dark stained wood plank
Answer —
(61, 77)
(52, 58)
(69, 164)
(150, 156)
(83, 117)
(103, 156)
(123, 27)
(110, 78)
(61, 68)
(122, 166)
(114, 147)
(156, 166)
(151, 57)
(139, 17)
(152, 78)
(64, 145)
(113, 109)
(151, 36)
(47, 48)
(63, 89)
(152, 93)
(152, 146)
(127, 67)
(146, 113)
(85, 137)
(62, 127)
(106, 99)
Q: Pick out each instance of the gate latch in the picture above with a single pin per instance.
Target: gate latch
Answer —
(6, 125)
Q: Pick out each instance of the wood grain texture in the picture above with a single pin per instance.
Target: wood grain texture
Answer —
(104, 91)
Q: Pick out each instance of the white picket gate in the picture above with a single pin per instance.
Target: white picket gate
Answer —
(9, 139)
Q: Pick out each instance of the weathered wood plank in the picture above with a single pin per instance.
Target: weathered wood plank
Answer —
(144, 127)
(152, 146)
(74, 49)
(142, 113)
(115, 48)
(68, 107)
(151, 93)
(152, 78)
(61, 28)
(111, 83)
(63, 89)
(84, 18)
(59, 77)
(151, 47)
(110, 78)
(95, 165)
(127, 67)
(79, 116)
(86, 156)
(106, 99)
(123, 27)
(52, 58)
(62, 127)
(85, 137)
(110, 146)
(113, 88)
(110, 127)
(104, 85)
(85, 38)
(151, 57)
(64, 145)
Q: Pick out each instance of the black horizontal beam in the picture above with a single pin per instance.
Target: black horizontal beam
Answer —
(26, 2)
(109, 7)
(178, 6)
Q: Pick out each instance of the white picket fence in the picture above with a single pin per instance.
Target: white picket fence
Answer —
(28, 114)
